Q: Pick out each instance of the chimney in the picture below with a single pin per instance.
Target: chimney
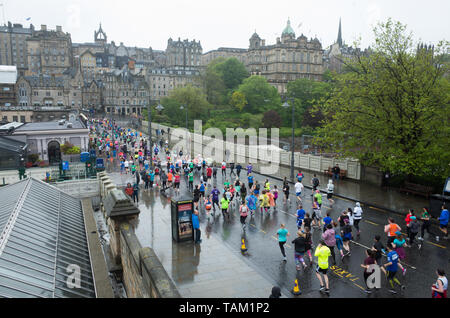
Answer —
(263, 42)
(43, 27)
(58, 28)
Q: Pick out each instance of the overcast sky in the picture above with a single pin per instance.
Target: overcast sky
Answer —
(229, 23)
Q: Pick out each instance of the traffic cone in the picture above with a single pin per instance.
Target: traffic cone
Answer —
(296, 291)
(243, 248)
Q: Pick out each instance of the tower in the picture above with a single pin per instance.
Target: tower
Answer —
(100, 36)
(339, 38)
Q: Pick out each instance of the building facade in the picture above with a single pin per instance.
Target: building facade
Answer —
(13, 45)
(124, 93)
(49, 52)
(183, 54)
(290, 58)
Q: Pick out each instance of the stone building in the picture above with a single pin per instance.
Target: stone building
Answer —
(50, 91)
(13, 45)
(162, 80)
(183, 54)
(93, 95)
(124, 93)
(49, 52)
(288, 59)
(225, 52)
(339, 52)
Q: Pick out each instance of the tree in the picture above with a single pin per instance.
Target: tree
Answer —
(260, 95)
(190, 96)
(271, 119)
(213, 83)
(308, 94)
(238, 100)
(232, 72)
(392, 108)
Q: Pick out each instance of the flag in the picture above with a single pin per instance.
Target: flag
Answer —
(28, 19)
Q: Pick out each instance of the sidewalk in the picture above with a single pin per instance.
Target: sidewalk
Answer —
(368, 194)
(207, 270)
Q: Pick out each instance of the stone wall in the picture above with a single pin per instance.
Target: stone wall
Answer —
(142, 273)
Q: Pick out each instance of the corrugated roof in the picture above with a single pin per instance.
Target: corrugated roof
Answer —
(11, 145)
(43, 234)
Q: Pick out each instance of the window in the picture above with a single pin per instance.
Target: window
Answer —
(47, 94)
(22, 119)
(15, 118)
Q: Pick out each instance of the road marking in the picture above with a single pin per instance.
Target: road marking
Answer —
(383, 254)
(371, 222)
(436, 244)
(374, 208)
(358, 286)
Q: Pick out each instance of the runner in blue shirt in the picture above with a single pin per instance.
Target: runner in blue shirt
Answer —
(443, 222)
(282, 238)
(250, 182)
(392, 267)
(300, 216)
(251, 203)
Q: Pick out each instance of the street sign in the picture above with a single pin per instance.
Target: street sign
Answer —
(65, 165)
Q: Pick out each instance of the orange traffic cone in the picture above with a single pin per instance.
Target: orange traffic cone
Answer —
(243, 248)
(296, 291)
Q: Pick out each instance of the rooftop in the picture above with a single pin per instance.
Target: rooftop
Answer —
(42, 233)
(50, 125)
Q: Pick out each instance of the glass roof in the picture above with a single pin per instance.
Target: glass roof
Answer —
(43, 234)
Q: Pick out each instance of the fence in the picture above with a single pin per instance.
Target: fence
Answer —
(254, 154)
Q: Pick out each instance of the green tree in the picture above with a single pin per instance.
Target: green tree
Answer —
(213, 84)
(260, 95)
(238, 100)
(392, 108)
(232, 72)
(190, 96)
(308, 95)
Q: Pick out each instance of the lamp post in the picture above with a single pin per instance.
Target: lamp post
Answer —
(286, 104)
(187, 129)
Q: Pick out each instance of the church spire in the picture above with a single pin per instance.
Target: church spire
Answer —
(339, 39)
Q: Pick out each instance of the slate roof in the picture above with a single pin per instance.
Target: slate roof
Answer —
(42, 232)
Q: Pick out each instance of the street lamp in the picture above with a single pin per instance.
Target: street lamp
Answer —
(187, 129)
(286, 105)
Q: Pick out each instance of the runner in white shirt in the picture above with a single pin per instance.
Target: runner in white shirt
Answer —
(298, 190)
(126, 164)
(330, 190)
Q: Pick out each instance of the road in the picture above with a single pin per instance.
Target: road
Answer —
(346, 278)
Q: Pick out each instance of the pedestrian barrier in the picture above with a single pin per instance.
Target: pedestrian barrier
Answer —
(265, 155)
(296, 290)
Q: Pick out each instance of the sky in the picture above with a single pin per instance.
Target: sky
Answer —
(229, 23)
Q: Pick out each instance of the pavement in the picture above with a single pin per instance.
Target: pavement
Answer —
(206, 270)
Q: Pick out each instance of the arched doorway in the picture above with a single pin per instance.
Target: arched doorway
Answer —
(54, 153)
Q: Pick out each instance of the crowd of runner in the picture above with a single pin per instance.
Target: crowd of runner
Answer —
(164, 169)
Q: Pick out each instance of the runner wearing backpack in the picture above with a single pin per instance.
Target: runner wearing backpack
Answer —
(315, 184)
